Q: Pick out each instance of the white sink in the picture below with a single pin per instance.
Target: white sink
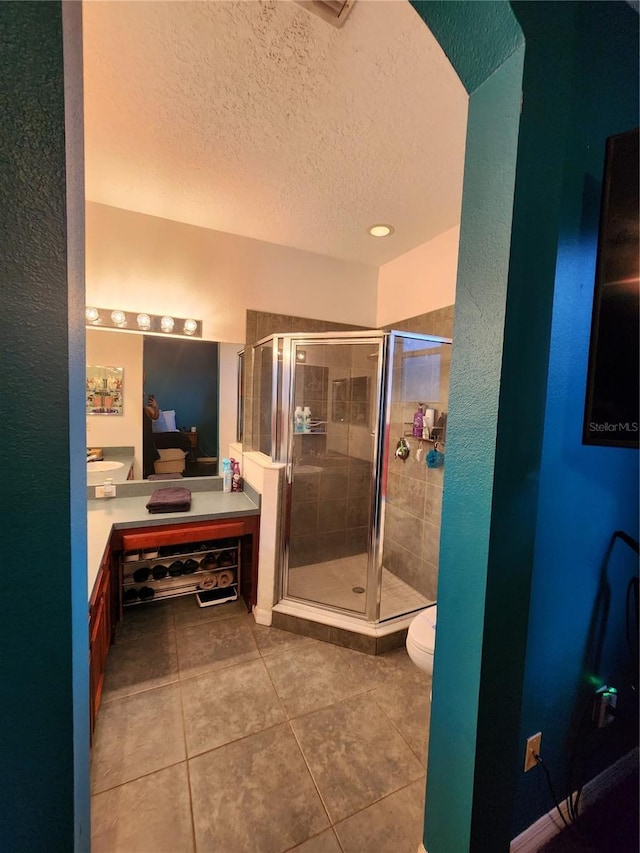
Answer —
(104, 466)
(306, 469)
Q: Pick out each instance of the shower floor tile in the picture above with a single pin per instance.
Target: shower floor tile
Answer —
(333, 583)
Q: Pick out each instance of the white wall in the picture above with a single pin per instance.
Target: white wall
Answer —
(228, 396)
(118, 349)
(421, 280)
(142, 263)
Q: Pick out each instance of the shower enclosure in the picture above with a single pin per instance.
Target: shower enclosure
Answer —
(361, 524)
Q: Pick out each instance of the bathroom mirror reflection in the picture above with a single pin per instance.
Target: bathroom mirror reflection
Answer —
(202, 393)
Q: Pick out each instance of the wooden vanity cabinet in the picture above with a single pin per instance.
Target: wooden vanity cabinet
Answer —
(101, 628)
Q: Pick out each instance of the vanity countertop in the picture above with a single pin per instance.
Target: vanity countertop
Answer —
(105, 515)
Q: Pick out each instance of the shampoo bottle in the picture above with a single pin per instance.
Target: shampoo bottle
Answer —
(298, 420)
(306, 419)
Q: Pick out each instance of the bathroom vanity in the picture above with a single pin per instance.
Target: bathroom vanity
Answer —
(219, 534)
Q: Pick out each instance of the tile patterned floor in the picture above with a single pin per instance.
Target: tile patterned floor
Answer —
(333, 581)
(217, 735)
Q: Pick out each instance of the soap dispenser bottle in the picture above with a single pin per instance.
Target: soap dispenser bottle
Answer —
(298, 420)
(418, 422)
(306, 419)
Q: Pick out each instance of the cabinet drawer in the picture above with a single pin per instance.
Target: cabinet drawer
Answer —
(181, 535)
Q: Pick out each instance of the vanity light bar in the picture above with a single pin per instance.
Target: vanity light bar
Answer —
(131, 321)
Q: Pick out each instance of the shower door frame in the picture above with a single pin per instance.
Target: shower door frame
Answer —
(282, 409)
(282, 451)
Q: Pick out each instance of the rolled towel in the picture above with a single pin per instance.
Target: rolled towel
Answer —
(225, 578)
(172, 499)
(176, 568)
(208, 582)
(141, 575)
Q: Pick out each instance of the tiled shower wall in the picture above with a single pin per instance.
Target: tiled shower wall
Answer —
(261, 324)
(414, 492)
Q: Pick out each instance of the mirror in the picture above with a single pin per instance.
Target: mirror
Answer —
(105, 390)
(106, 347)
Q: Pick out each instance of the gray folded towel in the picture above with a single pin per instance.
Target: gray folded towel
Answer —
(172, 499)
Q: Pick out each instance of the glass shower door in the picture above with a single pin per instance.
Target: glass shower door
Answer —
(332, 453)
(411, 490)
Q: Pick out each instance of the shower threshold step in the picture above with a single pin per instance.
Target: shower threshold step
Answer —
(372, 640)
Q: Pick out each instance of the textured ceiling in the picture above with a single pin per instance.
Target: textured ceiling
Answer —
(260, 119)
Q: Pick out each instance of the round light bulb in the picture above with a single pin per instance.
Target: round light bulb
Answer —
(381, 230)
(143, 321)
(167, 324)
(190, 327)
(92, 314)
(118, 317)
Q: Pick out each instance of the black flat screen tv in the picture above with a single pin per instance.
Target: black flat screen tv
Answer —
(611, 406)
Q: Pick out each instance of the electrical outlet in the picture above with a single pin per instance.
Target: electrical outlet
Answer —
(99, 491)
(604, 705)
(533, 749)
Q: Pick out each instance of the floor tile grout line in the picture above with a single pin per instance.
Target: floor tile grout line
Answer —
(237, 740)
(422, 760)
(317, 835)
(106, 699)
(310, 772)
(137, 778)
(374, 803)
(188, 769)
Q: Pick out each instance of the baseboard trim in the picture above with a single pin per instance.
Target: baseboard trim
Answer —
(550, 824)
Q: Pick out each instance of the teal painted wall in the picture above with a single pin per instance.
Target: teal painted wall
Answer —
(515, 566)
(485, 45)
(44, 786)
(581, 85)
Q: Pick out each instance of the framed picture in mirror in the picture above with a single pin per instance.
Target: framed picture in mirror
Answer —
(104, 390)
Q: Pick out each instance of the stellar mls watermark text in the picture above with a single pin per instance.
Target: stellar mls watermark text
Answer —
(629, 426)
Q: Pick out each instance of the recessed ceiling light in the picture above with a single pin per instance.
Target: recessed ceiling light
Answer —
(381, 230)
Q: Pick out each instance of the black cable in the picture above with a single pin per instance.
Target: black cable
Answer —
(583, 730)
(632, 597)
(551, 791)
(629, 540)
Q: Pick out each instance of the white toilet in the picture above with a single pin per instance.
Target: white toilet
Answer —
(421, 639)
